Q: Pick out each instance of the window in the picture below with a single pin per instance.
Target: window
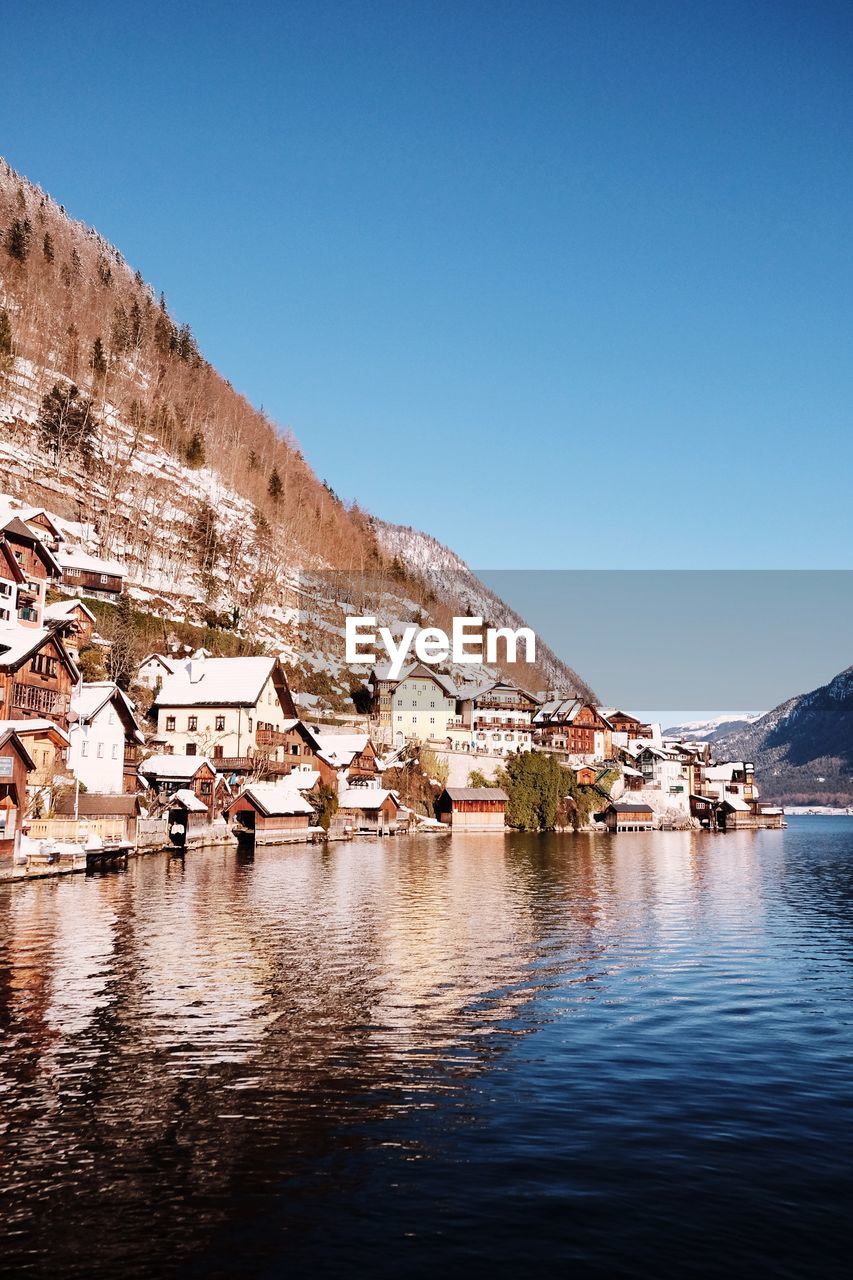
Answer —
(100, 750)
(115, 751)
(217, 753)
(84, 749)
(104, 578)
(170, 724)
(205, 788)
(220, 724)
(192, 723)
(191, 748)
(250, 724)
(294, 750)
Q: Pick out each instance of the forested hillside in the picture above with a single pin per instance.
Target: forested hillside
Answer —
(111, 416)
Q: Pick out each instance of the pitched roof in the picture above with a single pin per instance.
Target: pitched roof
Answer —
(92, 698)
(620, 807)
(35, 728)
(174, 767)
(365, 797)
(339, 749)
(215, 682)
(17, 529)
(9, 737)
(276, 799)
(17, 643)
(188, 800)
(476, 793)
(96, 805)
(62, 610)
(70, 557)
(736, 803)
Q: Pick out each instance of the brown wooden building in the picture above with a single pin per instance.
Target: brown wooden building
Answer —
(472, 808)
(15, 764)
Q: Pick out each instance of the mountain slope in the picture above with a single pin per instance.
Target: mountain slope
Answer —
(802, 749)
(111, 417)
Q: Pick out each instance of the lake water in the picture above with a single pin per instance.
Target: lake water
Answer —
(584, 1055)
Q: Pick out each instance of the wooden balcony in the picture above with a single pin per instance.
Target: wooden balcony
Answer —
(271, 738)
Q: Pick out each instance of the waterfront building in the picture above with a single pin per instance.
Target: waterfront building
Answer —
(472, 808)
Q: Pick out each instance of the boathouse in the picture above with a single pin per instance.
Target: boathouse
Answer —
(369, 809)
(272, 813)
(472, 808)
(621, 816)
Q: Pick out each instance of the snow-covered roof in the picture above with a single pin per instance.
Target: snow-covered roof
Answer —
(365, 797)
(339, 749)
(724, 772)
(173, 767)
(558, 711)
(62, 610)
(91, 698)
(304, 779)
(34, 728)
(189, 800)
(169, 664)
(735, 802)
(17, 642)
(215, 682)
(77, 558)
(277, 799)
(476, 793)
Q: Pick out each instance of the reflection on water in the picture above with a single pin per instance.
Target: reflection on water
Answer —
(632, 1055)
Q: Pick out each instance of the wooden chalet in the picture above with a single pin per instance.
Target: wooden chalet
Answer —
(573, 726)
(472, 808)
(37, 676)
(620, 815)
(271, 813)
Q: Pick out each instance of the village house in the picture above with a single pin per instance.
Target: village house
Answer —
(572, 726)
(271, 813)
(86, 574)
(423, 706)
(624, 728)
(153, 669)
(235, 711)
(472, 808)
(104, 739)
(36, 671)
(495, 718)
(15, 765)
(367, 809)
(168, 774)
(729, 780)
(74, 621)
(47, 746)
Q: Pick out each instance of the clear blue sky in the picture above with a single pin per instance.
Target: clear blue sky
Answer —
(530, 276)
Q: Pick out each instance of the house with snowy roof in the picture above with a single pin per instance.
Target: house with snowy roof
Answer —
(496, 717)
(88, 574)
(421, 705)
(573, 726)
(104, 738)
(236, 711)
(74, 621)
(154, 668)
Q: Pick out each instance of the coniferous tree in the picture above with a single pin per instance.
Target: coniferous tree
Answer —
(196, 454)
(98, 359)
(47, 247)
(274, 485)
(7, 350)
(18, 239)
(67, 425)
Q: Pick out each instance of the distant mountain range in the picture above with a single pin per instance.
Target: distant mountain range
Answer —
(710, 730)
(802, 749)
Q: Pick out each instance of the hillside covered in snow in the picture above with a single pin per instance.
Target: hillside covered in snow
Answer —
(111, 417)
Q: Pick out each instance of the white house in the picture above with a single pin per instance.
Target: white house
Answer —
(423, 706)
(154, 668)
(103, 738)
(229, 709)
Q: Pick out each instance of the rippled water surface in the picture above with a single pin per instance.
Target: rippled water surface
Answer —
(573, 1054)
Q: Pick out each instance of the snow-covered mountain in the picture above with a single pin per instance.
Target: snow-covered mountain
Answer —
(710, 730)
(802, 749)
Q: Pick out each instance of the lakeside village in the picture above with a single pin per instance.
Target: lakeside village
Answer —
(225, 752)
